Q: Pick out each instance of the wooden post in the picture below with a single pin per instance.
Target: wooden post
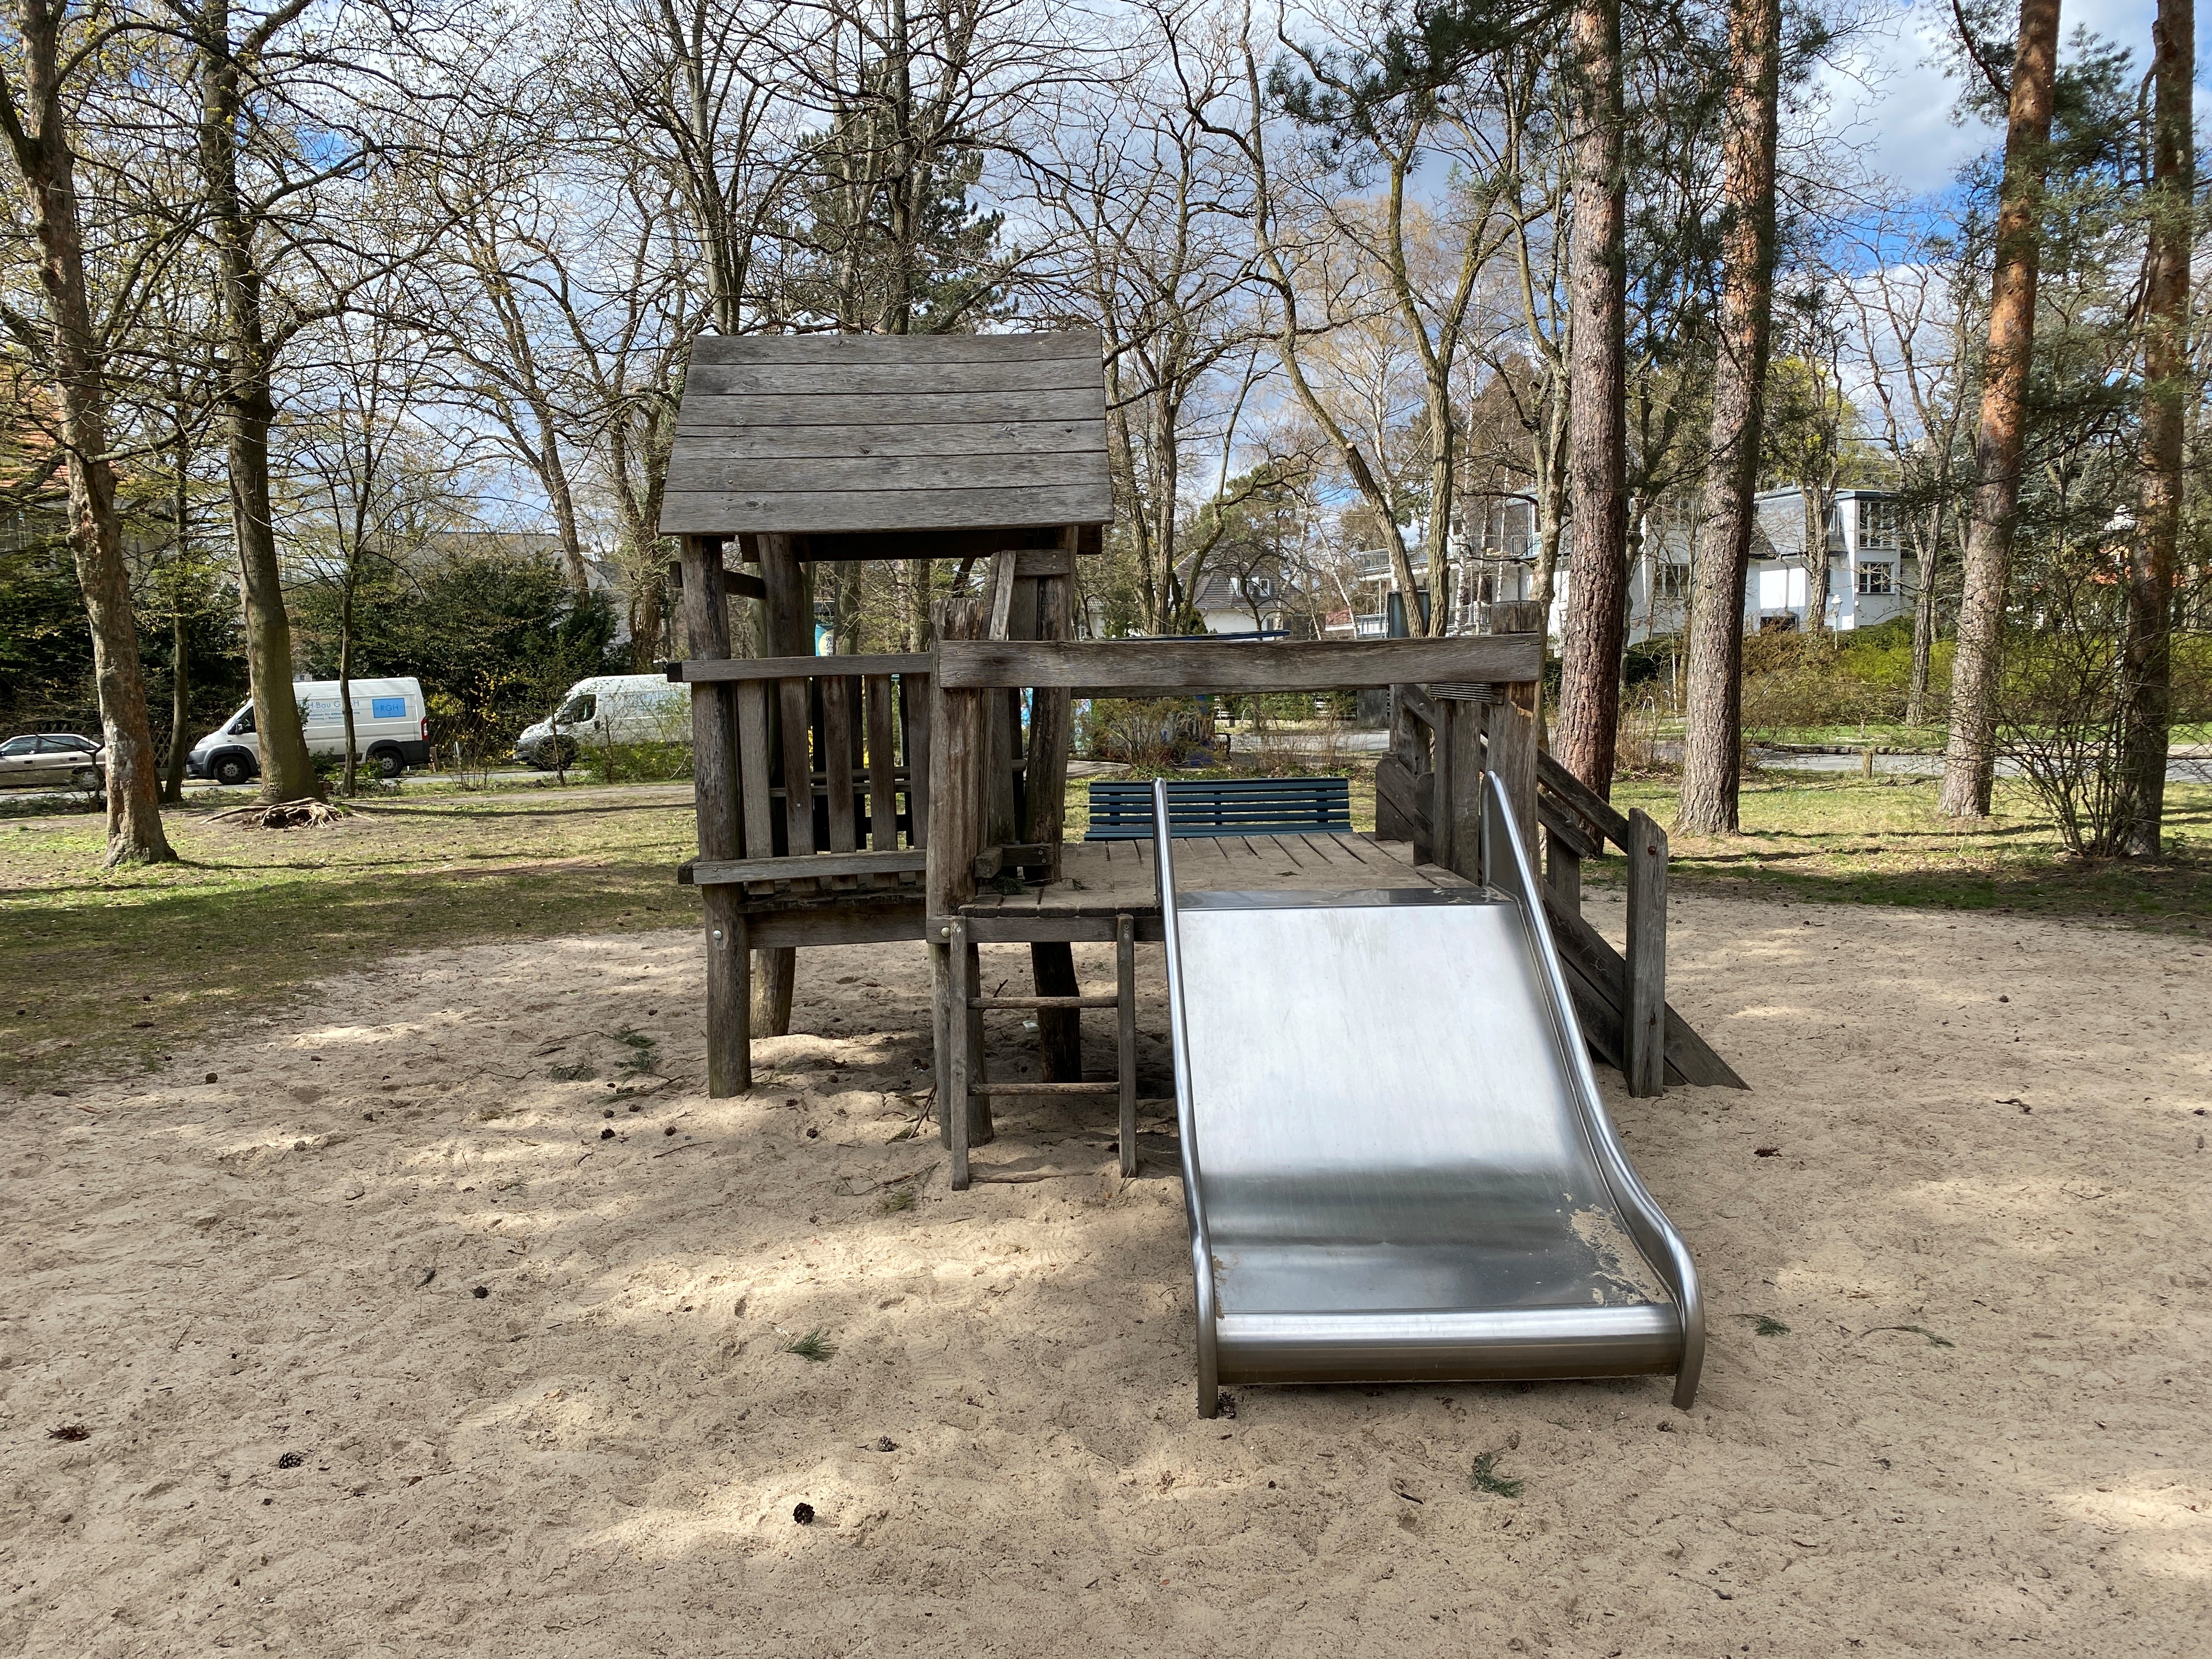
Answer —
(1125, 994)
(1442, 755)
(1645, 1015)
(715, 787)
(962, 992)
(1512, 745)
(957, 745)
(1563, 874)
(787, 613)
(1461, 805)
(1044, 823)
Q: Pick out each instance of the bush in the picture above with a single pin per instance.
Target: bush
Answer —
(635, 763)
(1152, 733)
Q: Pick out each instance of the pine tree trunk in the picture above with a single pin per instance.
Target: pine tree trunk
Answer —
(37, 134)
(2147, 713)
(1712, 735)
(1970, 757)
(1596, 623)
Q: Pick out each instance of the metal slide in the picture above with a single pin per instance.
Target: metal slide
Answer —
(1396, 1165)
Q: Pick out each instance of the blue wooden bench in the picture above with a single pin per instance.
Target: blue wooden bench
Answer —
(1122, 811)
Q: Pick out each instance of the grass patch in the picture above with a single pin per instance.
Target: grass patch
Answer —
(644, 1051)
(1486, 1478)
(1765, 1325)
(893, 1202)
(1845, 839)
(813, 1345)
(123, 967)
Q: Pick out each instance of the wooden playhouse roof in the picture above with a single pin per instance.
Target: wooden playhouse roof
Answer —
(842, 433)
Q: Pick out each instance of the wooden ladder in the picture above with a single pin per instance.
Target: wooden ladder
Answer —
(967, 1075)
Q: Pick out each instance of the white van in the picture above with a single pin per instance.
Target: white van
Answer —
(390, 725)
(608, 709)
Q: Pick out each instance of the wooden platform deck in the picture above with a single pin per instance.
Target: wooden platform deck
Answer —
(1100, 880)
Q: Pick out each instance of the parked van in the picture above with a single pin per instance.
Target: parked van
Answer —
(390, 728)
(608, 709)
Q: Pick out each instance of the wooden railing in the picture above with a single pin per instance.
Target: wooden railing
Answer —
(1427, 792)
(831, 771)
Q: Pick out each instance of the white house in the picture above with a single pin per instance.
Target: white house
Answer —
(1871, 575)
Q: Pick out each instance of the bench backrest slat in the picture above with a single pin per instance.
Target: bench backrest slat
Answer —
(1122, 811)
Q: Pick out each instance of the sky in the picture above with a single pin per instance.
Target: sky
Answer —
(1891, 92)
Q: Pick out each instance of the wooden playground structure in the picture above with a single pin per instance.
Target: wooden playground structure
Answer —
(868, 799)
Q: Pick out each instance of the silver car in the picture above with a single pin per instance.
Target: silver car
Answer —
(52, 760)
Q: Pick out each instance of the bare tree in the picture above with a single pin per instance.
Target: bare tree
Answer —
(34, 114)
(1969, 766)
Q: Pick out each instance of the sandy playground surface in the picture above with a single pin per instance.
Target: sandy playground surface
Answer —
(380, 1346)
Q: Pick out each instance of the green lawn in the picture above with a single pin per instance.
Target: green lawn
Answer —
(1880, 841)
(124, 966)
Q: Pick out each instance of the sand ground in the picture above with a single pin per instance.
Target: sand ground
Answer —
(381, 1345)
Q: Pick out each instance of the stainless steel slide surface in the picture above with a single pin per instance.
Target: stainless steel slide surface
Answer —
(1396, 1164)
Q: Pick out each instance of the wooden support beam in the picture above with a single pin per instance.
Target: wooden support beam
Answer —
(1551, 775)
(1151, 667)
(1460, 845)
(1125, 1035)
(958, 745)
(715, 787)
(1014, 855)
(954, 1100)
(1511, 734)
(694, 671)
(1644, 1018)
(715, 872)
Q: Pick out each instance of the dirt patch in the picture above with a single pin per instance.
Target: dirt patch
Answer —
(550, 1390)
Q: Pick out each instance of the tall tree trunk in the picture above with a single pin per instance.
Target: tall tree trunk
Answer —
(1970, 759)
(352, 779)
(553, 471)
(172, 767)
(1816, 500)
(37, 134)
(1928, 544)
(1589, 676)
(249, 410)
(1712, 732)
(2146, 714)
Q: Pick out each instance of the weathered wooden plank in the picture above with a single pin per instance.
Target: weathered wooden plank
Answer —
(715, 775)
(798, 771)
(808, 442)
(877, 697)
(1045, 562)
(958, 743)
(855, 922)
(1567, 829)
(828, 350)
(1584, 799)
(691, 471)
(707, 873)
(914, 705)
(696, 672)
(1404, 795)
(960, 1017)
(838, 760)
(959, 543)
(703, 412)
(753, 767)
(706, 512)
(1138, 667)
(922, 383)
(1463, 730)
(1645, 1017)
(1511, 743)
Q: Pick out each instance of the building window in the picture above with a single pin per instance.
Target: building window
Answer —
(1877, 579)
(1881, 525)
(1671, 583)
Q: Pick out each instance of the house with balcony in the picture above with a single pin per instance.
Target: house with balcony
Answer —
(1871, 574)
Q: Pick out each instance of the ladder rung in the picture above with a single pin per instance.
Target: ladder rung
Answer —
(1044, 1088)
(1044, 1002)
